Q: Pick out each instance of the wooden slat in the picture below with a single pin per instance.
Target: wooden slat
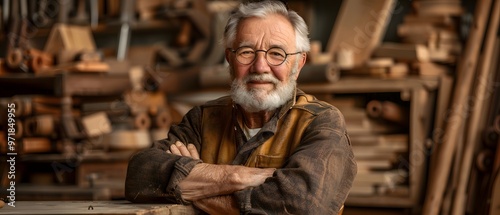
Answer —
(360, 33)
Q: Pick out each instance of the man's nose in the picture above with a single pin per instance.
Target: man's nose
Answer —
(260, 64)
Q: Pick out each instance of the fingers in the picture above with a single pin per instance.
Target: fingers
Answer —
(175, 150)
(192, 150)
(180, 149)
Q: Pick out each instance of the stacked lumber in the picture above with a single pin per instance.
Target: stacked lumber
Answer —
(380, 143)
(37, 123)
(135, 120)
(433, 26)
(430, 42)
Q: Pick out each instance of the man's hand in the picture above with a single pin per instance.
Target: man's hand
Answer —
(180, 149)
(218, 205)
(209, 180)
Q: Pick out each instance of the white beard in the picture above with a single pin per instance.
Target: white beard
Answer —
(255, 100)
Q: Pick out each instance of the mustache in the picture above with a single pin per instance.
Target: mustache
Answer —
(266, 77)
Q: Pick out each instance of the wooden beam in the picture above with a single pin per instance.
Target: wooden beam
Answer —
(481, 101)
(465, 77)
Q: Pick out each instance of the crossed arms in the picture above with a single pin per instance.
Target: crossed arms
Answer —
(210, 186)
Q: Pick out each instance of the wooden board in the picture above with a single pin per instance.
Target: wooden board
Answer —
(403, 52)
(94, 207)
(360, 26)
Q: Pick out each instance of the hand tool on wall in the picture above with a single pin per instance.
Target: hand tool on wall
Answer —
(126, 18)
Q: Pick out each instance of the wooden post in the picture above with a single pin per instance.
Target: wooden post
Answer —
(480, 99)
(465, 77)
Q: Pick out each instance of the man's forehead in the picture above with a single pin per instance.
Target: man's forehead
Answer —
(273, 31)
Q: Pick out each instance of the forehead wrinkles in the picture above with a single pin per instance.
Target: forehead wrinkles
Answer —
(272, 31)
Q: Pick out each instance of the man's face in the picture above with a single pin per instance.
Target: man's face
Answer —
(260, 86)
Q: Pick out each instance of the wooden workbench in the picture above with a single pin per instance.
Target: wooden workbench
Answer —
(94, 207)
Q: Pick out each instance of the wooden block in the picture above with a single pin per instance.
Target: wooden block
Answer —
(35, 145)
(403, 52)
(363, 32)
(96, 124)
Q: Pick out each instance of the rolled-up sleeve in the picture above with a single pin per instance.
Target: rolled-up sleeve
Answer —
(153, 174)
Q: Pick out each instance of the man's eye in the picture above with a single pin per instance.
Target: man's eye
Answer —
(277, 54)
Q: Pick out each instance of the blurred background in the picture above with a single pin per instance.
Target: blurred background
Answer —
(94, 81)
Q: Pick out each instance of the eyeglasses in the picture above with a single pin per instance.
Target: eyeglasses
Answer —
(274, 56)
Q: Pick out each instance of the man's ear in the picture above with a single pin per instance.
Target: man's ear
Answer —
(302, 62)
(227, 54)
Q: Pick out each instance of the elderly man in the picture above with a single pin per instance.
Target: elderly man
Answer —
(268, 148)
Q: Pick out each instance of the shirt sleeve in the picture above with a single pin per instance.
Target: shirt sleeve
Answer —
(153, 174)
(317, 177)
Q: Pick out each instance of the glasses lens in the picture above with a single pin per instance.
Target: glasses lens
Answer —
(245, 55)
(275, 56)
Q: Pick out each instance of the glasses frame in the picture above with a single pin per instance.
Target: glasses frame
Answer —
(265, 55)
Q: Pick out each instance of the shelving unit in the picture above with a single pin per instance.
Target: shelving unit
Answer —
(421, 94)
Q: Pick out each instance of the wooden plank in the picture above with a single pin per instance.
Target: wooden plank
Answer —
(360, 33)
(465, 77)
(433, 8)
(404, 52)
(95, 207)
(481, 103)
